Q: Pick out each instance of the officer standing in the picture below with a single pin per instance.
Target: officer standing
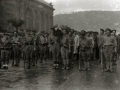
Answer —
(65, 49)
(109, 46)
(43, 40)
(71, 47)
(34, 53)
(5, 47)
(50, 44)
(16, 49)
(100, 44)
(115, 53)
(28, 48)
(54, 41)
(85, 49)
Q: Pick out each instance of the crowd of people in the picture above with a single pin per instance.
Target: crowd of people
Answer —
(62, 46)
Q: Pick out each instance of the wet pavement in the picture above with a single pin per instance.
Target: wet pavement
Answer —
(44, 77)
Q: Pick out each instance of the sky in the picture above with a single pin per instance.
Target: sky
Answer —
(68, 6)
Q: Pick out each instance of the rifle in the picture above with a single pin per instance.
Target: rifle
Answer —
(79, 62)
(101, 51)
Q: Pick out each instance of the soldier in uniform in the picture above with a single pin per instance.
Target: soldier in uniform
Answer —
(28, 48)
(5, 47)
(85, 46)
(71, 47)
(76, 45)
(109, 46)
(100, 38)
(115, 53)
(43, 47)
(16, 49)
(46, 47)
(118, 48)
(89, 36)
(65, 49)
(34, 48)
(55, 42)
(50, 46)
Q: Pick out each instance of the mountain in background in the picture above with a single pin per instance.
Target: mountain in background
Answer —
(90, 20)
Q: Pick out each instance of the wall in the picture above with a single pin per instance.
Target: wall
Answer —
(38, 15)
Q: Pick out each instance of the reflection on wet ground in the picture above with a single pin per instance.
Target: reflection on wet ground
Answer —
(44, 77)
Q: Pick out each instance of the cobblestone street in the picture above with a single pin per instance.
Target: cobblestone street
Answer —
(44, 77)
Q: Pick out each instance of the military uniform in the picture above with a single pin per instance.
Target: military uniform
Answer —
(5, 51)
(65, 51)
(28, 50)
(109, 44)
(71, 48)
(85, 51)
(50, 46)
(100, 46)
(43, 48)
(16, 50)
(55, 48)
(35, 50)
(115, 53)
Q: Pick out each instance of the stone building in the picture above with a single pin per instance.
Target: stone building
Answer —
(37, 14)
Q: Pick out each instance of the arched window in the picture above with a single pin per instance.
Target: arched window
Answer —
(47, 23)
(42, 21)
(51, 21)
(28, 19)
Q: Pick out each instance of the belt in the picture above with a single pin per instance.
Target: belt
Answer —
(28, 43)
(108, 45)
(5, 48)
(14, 43)
(55, 42)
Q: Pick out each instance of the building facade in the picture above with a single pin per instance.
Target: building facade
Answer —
(37, 14)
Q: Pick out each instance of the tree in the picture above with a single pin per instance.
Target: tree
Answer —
(16, 23)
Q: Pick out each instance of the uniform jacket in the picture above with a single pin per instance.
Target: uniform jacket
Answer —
(109, 40)
(85, 43)
(76, 43)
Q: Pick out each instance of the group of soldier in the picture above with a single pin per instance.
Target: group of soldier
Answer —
(62, 46)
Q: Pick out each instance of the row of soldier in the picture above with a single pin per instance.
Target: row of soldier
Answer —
(61, 43)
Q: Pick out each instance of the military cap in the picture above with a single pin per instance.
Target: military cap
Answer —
(28, 30)
(88, 32)
(102, 30)
(113, 30)
(96, 33)
(83, 32)
(107, 29)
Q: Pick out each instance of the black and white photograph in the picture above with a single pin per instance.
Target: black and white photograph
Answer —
(59, 44)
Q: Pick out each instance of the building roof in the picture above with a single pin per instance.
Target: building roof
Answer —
(45, 3)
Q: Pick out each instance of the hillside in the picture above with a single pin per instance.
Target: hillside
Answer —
(90, 20)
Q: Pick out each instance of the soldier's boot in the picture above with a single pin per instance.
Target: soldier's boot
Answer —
(64, 64)
(16, 62)
(88, 65)
(85, 64)
(64, 67)
(0, 64)
(54, 65)
(19, 62)
(13, 62)
(107, 66)
(6, 66)
(67, 64)
(116, 62)
(29, 64)
(3, 65)
(111, 66)
(57, 65)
